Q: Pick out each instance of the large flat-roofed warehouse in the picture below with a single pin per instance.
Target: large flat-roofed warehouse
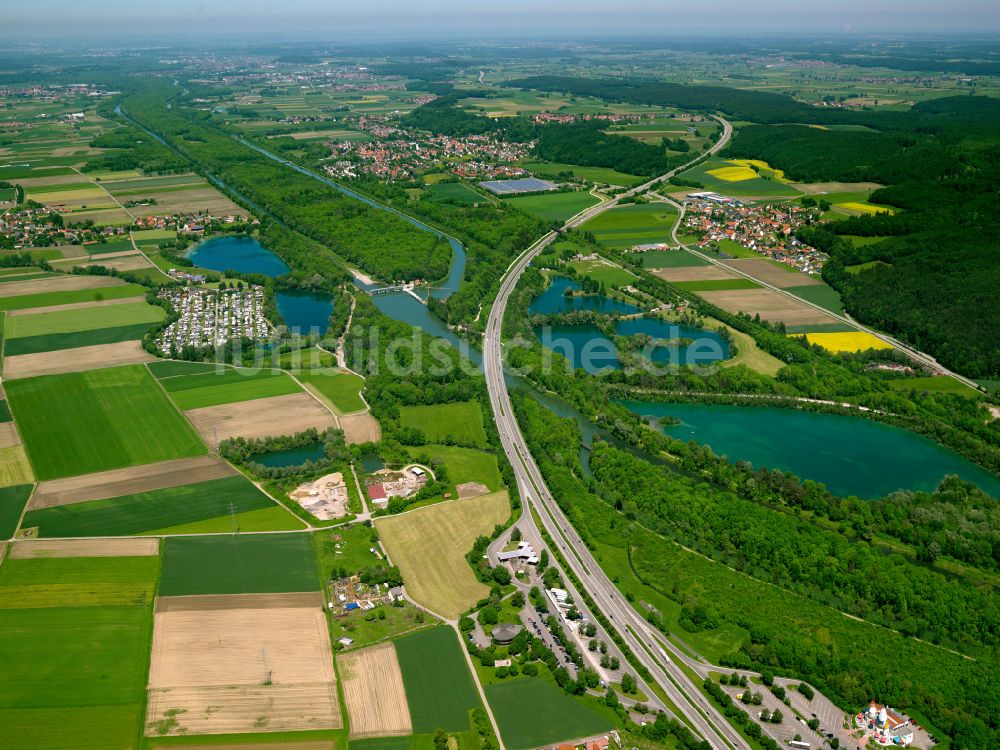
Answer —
(523, 185)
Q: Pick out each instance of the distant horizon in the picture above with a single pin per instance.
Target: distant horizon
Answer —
(399, 20)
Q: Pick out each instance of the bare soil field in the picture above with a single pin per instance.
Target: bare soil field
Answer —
(76, 360)
(241, 670)
(30, 549)
(118, 482)
(184, 201)
(278, 415)
(210, 602)
(8, 435)
(360, 428)
(132, 262)
(471, 489)
(771, 305)
(374, 693)
(57, 284)
(693, 273)
(114, 216)
(72, 306)
(766, 271)
(57, 179)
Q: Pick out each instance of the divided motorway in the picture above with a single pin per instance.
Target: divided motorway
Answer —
(630, 624)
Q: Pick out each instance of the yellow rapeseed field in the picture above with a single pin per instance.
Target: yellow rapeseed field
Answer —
(733, 174)
(865, 208)
(765, 169)
(853, 341)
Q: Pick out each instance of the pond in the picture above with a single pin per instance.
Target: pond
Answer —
(305, 312)
(291, 456)
(587, 347)
(554, 300)
(371, 463)
(239, 253)
(850, 455)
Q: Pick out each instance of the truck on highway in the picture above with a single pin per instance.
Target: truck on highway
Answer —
(664, 654)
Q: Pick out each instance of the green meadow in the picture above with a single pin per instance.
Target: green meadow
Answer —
(466, 464)
(82, 422)
(455, 192)
(532, 712)
(227, 386)
(341, 389)
(82, 319)
(603, 175)
(670, 259)
(635, 224)
(714, 285)
(556, 207)
(439, 687)
(460, 422)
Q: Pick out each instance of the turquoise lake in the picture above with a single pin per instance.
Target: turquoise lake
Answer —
(554, 300)
(239, 253)
(291, 456)
(850, 455)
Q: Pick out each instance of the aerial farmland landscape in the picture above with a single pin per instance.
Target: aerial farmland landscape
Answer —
(519, 377)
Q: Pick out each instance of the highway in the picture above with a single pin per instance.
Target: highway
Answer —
(629, 624)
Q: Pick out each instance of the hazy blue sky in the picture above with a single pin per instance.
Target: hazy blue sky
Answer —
(401, 18)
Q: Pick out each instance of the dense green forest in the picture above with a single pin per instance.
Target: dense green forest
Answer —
(379, 242)
(940, 164)
(790, 626)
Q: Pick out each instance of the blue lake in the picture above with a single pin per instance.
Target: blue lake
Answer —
(239, 253)
(291, 456)
(850, 455)
(305, 312)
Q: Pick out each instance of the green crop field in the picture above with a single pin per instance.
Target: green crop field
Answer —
(532, 712)
(57, 341)
(714, 285)
(169, 368)
(272, 518)
(46, 299)
(602, 175)
(462, 421)
(82, 319)
(670, 259)
(147, 511)
(341, 389)
(466, 464)
(636, 224)
(75, 676)
(455, 192)
(554, 206)
(12, 500)
(820, 294)
(227, 387)
(604, 273)
(82, 422)
(231, 564)
(934, 384)
(438, 684)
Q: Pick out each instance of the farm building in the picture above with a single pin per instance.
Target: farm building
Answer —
(376, 492)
